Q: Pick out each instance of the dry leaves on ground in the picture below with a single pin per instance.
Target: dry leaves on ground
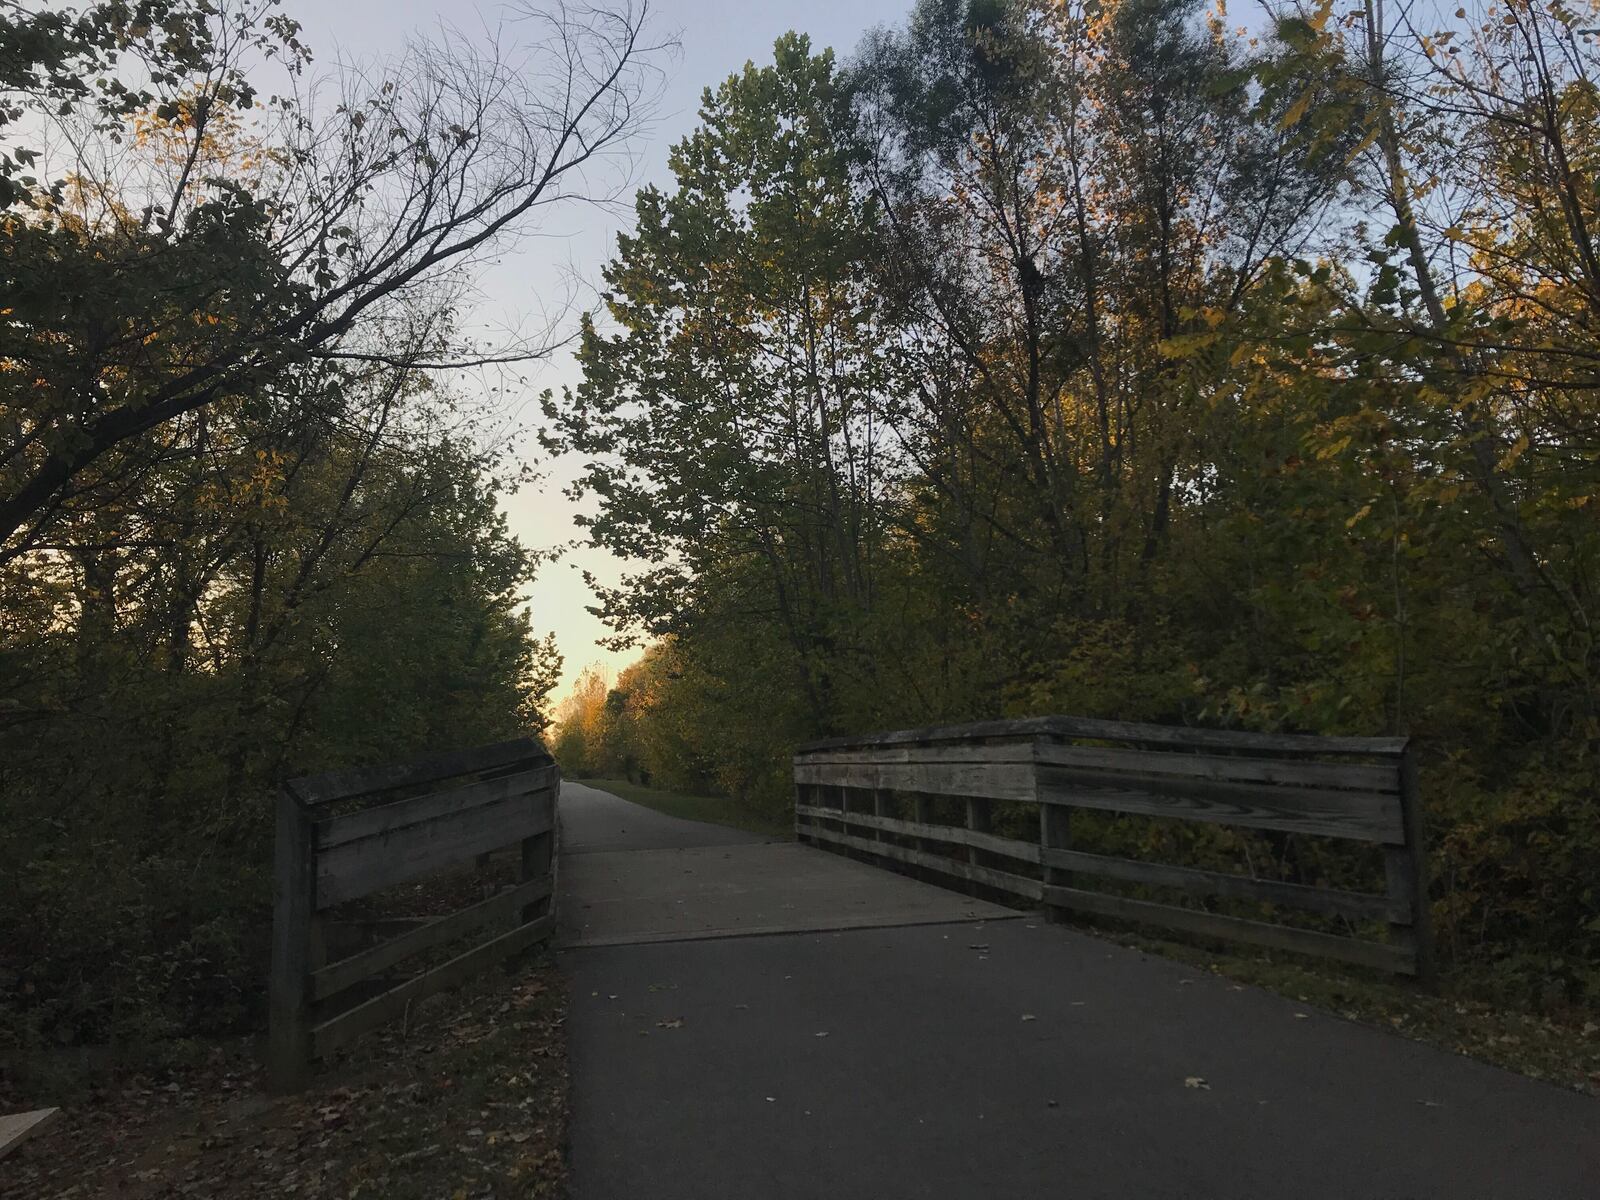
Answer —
(469, 1100)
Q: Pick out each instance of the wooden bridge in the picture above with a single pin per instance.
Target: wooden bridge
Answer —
(756, 1017)
(889, 797)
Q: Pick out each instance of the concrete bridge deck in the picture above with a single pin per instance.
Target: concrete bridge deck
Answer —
(890, 1040)
(630, 875)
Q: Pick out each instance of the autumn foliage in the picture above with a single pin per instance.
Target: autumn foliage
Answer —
(1114, 360)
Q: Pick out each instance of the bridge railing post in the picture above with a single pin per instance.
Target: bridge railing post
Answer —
(1361, 791)
(293, 906)
(1406, 875)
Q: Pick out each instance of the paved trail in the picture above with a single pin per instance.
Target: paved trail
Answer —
(959, 1051)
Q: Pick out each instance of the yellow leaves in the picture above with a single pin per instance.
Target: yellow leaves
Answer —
(1359, 517)
(1477, 390)
(1297, 110)
(1362, 146)
(1185, 345)
(1513, 452)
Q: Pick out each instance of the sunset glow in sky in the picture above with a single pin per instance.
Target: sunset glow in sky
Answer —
(715, 38)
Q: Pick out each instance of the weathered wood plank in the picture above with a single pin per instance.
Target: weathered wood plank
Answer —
(957, 752)
(359, 868)
(1292, 772)
(1358, 906)
(1237, 929)
(1003, 880)
(954, 834)
(16, 1128)
(882, 806)
(335, 831)
(1124, 732)
(1055, 838)
(293, 907)
(508, 904)
(364, 781)
(1360, 816)
(922, 814)
(1007, 781)
(1407, 872)
(339, 1031)
(539, 861)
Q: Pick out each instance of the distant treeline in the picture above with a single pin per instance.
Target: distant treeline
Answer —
(1105, 359)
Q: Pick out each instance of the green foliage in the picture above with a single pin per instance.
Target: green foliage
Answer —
(356, 603)
(244, 532)
(1178, 376)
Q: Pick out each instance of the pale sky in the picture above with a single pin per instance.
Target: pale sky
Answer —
(717, 37)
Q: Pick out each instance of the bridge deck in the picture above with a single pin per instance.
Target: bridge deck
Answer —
(980, 1059)
(682, 880)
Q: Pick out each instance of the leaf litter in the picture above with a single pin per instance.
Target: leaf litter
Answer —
(466, 1099)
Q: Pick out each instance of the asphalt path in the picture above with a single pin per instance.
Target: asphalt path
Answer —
(997, 1058)
(593, 822)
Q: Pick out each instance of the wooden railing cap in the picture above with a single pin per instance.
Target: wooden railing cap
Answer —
(351, 782)
(1178, 736)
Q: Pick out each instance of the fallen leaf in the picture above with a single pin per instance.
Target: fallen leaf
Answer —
(1194, 1081)
(670, 1023)
(1029, 1017)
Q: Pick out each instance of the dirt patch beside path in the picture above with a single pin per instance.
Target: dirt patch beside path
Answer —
(467, 1099)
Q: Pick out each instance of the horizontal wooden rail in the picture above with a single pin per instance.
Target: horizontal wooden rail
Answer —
(1127, 732)
(1361, 790)
(1006, 881)
(331, 1035)
(366, 964)
(417, 820)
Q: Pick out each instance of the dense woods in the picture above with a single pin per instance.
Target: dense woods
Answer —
(249, 491)
(1107, 359)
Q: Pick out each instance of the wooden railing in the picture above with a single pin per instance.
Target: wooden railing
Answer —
(881, 797)
(348, 834)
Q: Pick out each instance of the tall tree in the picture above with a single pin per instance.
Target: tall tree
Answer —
(734, 419)
(144, 286)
